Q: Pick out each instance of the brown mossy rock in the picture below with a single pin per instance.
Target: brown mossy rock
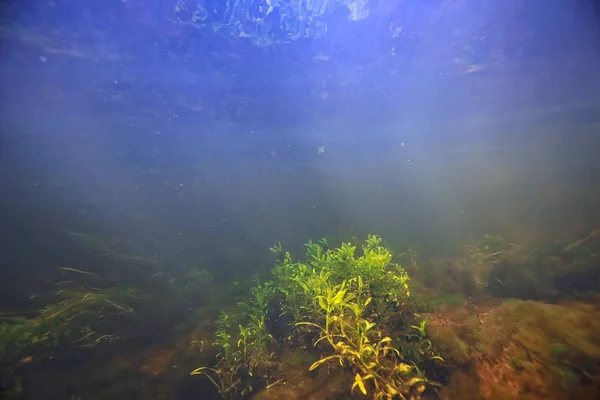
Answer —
(520, 350)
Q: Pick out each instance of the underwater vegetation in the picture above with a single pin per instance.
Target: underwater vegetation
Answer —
(79, 315)
(344, 308)
(88, 310)
(527, 326)
(495, 266)
(500, 320)
(520, 349)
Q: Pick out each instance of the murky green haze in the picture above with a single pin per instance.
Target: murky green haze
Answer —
(216, 204)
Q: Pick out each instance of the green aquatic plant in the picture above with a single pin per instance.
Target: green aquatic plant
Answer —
(357, 342)
(419, 347)
(243, 342)
(298, 282)
(224, 375)
(218, 377)
(94, 309)
(17, 334)
(79, 316)
(253, 335)
(339, 291)
(333, 299)
(85, 311)
(301, 282)
(420, 332)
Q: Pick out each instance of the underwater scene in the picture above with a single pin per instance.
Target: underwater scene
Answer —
(300, 199)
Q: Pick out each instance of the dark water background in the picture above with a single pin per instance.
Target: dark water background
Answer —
(201, 150)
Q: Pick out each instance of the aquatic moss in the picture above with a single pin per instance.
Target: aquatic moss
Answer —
(521, 349)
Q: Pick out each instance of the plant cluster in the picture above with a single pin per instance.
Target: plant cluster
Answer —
(81, 316)
(243, 341)
(122, 296)
(78, 316)
(337, 299)
(87, 311)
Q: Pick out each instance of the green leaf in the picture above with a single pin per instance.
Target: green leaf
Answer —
(414, 381)
(359, 382)
(321, 361)
(339, 296)
(321, 300)
(369, 325)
